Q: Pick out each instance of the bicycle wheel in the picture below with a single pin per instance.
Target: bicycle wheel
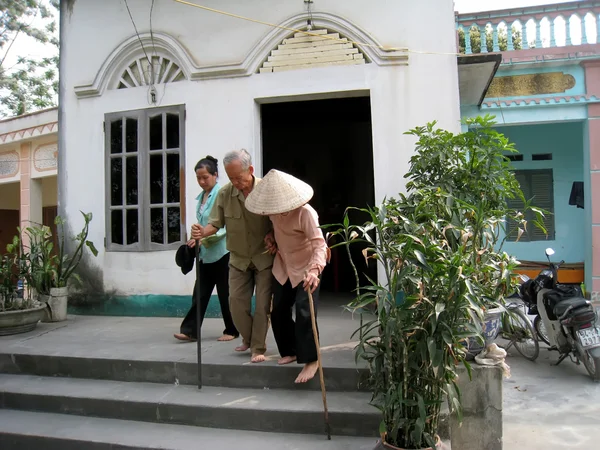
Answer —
(540, 329)
(522, 334)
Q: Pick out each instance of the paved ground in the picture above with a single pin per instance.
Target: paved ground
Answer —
(545, 407)
(548, 407)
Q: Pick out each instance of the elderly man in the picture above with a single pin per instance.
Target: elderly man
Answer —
(249, 265)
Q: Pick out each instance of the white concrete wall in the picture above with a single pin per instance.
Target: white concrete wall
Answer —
(24, 121)
(222, 114)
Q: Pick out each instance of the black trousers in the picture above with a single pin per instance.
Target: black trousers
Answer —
(293, 339)
(211, 274)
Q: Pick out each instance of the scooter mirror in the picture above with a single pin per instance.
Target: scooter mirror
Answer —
(549, 252)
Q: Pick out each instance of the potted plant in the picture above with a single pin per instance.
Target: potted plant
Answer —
(19, 310)
(440, 271)
(52, 269)
(474, 170)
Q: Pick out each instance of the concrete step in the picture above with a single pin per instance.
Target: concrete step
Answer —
(236, 374)
(34, 430)
(272, 410)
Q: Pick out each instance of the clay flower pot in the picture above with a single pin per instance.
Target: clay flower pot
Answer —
(382, 445)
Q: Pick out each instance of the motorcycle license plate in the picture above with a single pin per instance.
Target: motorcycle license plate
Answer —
(589, 337)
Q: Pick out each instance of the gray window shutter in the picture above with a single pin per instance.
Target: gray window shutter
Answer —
(537, 186)
(542, 191)
(518, 205)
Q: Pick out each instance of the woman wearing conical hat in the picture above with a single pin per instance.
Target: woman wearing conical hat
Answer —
(300, 259)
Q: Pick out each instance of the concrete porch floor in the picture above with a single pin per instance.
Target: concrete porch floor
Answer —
(151, 339)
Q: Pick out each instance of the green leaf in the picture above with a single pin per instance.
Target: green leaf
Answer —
(382, 428)
(439, 308)
(92, 248)
(421, 258)
(421, 403)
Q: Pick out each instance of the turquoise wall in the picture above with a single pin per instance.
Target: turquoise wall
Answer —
(152, 305)
(565, 142)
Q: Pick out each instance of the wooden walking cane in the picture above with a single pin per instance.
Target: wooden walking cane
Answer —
(321, 378)
(198, 313)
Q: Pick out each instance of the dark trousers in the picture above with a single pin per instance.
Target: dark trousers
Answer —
(211, 274)
(293, 339)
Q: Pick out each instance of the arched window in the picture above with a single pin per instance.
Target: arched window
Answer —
(141, 73)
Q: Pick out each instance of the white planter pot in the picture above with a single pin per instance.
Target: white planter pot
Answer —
(57, 305)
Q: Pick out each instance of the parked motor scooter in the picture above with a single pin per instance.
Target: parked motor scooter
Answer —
(565, 320)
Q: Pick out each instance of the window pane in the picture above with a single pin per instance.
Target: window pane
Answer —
(131, 180)
(132, 226)
(116, 181)
(173, 178)
(156, 132)
(131, 129)
(116, 136)
(172, 130)
(157, 226)
(116, 227)
(156, 179)
(173, 224)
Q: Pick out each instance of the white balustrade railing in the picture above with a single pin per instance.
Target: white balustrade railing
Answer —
(562, 25)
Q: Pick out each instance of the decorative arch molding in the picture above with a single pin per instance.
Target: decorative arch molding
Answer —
(129, 52)
(373, 51)
(320, 49)
(167, 46)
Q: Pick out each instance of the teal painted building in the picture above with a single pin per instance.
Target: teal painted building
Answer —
(557, 148)
(545, 96)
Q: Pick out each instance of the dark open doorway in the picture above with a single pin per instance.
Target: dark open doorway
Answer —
(328, 144)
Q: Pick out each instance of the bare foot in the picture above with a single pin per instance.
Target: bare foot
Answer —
(286, 360)
(308, 372)
(226, 337)
(242, 348)
(183, 337)
(258, 358)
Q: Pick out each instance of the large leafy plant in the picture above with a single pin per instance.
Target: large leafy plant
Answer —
(9, 274)
(41, 264)
(439, 252)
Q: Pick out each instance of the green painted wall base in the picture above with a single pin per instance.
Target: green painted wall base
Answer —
(148, 306)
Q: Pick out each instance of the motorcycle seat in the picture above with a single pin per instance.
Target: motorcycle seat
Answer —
(574, 302)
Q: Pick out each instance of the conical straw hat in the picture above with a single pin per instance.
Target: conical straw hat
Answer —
(278, 192)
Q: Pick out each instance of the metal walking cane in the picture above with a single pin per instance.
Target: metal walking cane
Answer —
(321, 378)
(198, 315)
